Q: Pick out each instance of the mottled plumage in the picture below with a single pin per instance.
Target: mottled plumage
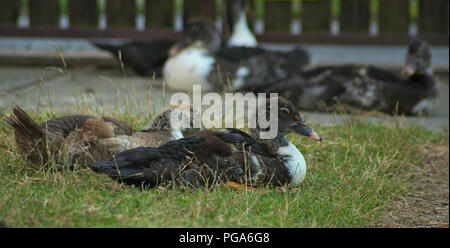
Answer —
(84, 139)
(356, 87)
(50, 139)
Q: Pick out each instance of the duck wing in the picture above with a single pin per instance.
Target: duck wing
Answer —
(120, 127)
(252, 169)
(149, 165)
(145, 138)
(251, 144)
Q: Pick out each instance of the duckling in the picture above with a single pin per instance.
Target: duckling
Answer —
(199, 59)
(365, 88)
(83, 138)
(208, 157)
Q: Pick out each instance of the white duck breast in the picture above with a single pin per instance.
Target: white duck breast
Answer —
(294, 161)
(190, 66)
(242, 36)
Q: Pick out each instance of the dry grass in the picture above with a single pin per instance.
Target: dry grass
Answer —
(427, 202)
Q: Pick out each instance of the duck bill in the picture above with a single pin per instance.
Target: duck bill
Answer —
(302, 129)
(175, 49)
(408, 70)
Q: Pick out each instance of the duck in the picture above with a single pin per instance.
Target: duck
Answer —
(192, 60)
(144, 57)
(241, 35)
(275, 161)
(200, 59)
(210, 157)
(174, 161)
(356, 88)
(84, 139)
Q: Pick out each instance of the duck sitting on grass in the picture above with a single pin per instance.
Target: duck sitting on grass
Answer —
(84, 139)
(209, 157)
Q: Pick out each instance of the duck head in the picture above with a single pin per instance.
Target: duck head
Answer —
(418, 58)
(183, 114)
(289, 121)
(200, 33)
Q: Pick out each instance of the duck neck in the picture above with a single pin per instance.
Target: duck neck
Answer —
(241, 23)
(242, 36)
(292, 158)
(272, 145)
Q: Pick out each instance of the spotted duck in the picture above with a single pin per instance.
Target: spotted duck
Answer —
(366, 88)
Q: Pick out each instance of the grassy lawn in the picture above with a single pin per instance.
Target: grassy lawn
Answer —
(352, 179)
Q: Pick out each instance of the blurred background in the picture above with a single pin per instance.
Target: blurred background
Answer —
(47, 59)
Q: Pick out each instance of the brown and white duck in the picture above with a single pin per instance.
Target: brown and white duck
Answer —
(83, 138)
(200, 59)
(356, 87)
(208, 157)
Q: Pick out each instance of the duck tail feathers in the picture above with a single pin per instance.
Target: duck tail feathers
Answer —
(24, 124)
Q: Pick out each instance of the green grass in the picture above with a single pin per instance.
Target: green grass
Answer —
(352, 177)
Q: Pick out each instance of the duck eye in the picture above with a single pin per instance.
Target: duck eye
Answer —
(285, 110)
